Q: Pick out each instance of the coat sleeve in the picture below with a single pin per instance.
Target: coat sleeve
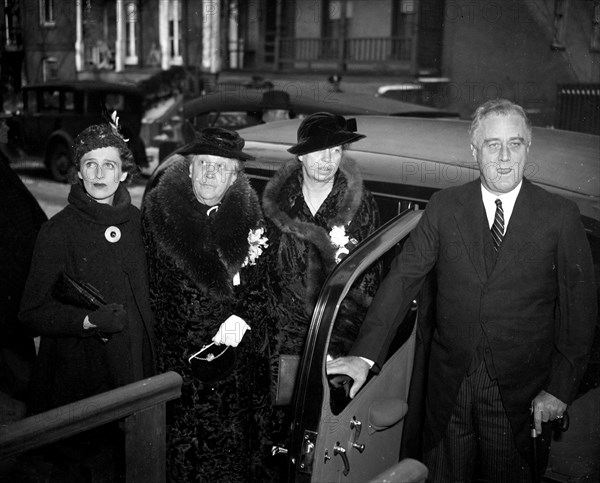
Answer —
(577, 315)
(399, 288)
(39, 311)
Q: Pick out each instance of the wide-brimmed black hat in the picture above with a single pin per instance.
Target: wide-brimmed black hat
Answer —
(216, 141)
(274, 99)
(323, 130)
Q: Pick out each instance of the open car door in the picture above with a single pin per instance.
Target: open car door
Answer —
(334, 438)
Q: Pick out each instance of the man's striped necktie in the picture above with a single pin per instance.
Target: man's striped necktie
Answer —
(498, 226)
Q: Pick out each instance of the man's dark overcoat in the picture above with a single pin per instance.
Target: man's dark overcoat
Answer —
(536, 308)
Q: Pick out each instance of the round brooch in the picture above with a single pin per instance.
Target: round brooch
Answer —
(112, 234)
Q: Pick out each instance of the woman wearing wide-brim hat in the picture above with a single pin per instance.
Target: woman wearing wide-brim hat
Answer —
(317, 210)
(202, 227)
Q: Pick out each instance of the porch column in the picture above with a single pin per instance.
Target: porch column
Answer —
(211, 20)
(278, 14)
(343, 35)
(79, 47)
(163, 33)
(119, 50)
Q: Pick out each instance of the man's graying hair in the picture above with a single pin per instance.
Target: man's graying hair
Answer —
(501, 107)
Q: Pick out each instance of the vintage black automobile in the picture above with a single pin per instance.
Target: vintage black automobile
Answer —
(237, 107)
(53, 114)
(404, 161)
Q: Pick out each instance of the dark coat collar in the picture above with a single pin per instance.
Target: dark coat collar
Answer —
(277, 204)
(119, 212)
(208, 249)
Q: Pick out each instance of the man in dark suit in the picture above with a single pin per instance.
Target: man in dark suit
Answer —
(516, 308)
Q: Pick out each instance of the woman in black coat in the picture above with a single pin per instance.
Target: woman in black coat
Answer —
(202, 228)
(96, 239)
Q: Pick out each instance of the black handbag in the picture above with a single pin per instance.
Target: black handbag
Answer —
(213, 362)
(71, 291)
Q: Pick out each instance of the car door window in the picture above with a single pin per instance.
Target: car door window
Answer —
(339, 385)
(115, 102)
(50, 100)
(69, 102)
(323, 430)
(30, 101)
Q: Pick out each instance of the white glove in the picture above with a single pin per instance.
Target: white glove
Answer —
(231, 331)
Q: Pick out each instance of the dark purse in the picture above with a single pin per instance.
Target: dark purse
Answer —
(213, 362)
(286, 379)
(71, 291)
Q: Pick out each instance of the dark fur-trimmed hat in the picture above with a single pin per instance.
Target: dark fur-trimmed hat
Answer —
(216, 141)
(323, 130)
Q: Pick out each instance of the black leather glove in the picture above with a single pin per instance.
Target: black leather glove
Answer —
(109, 318)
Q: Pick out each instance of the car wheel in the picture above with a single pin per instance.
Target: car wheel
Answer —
(60, 162)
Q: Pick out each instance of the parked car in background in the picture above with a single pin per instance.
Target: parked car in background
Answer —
(237, 107)
(403, 162)
(53, 114)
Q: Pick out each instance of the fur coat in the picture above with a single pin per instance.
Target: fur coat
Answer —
(193, 254)
(299, 258)
(301, 254)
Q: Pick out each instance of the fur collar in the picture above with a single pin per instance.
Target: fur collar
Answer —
(276, 205)
(208, 249)
(281, 194)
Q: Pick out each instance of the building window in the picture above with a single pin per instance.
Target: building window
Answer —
(595, 41)
(131, 17)
(47, 13)
(174, 17)
(49, 69)
(404, 20)
(336, 17)
(560, 23)
(13, 38)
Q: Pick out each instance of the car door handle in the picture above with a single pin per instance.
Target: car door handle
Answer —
(339, 451)
(356, 425)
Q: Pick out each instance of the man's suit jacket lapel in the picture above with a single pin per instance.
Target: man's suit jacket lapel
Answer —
(521, 227)
(469, 215)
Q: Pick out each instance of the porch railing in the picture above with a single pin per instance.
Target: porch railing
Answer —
(359, 50)
(141, 406)
(578, 107)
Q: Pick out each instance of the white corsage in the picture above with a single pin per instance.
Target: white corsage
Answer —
(257, 243)
(340, 240)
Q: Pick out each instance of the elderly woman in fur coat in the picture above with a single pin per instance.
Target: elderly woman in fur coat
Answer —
(202, 228)
(317, 211)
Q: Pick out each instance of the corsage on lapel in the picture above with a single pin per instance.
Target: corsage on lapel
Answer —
(341, 240)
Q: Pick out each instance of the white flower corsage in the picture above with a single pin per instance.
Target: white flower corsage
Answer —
(257, 243)
(340, 240)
